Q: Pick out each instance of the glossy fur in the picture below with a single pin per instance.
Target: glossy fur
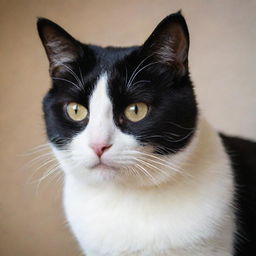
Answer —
(166, 185)
(169, 95)
(243, 153)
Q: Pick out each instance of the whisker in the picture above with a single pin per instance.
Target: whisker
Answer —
(82, 78)
(73, 74)
(66, 80)
(40, 167)
(180, 126)
(126, 75)
(131, 77)
(151, 178)
(49, 172)
(155, 157)
(55, 174)
(183, 138)
(162, 164)
(141, 81)
(37, 149)
(152, 167)
(144, 67)
(40, 157)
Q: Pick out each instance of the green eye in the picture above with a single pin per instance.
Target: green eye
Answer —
(76, 112)
(136, 111)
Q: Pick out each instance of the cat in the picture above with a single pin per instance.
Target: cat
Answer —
(145, 173)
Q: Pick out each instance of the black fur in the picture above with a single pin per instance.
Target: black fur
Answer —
(165, 84)
(243, 157)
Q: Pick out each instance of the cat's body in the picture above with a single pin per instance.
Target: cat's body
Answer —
(242, 157)
(145, 174)
(166, 220)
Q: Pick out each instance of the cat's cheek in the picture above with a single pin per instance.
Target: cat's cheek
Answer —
(124, 142)
(61, 156)
(80, 151)
(73, 163)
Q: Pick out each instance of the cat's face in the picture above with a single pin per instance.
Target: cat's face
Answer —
(119, 114)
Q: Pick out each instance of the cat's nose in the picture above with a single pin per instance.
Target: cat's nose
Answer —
(100, 148)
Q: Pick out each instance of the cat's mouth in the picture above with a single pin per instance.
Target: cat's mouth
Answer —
(104, 167)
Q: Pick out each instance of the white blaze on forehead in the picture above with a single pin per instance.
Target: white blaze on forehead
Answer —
(101, 125)
(100, 130)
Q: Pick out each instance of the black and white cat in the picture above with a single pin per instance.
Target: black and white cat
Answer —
(145, 174)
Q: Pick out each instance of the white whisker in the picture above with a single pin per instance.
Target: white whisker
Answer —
(73, 74)
(152, 167)
(144, 67)
(66, 80)
(159, 163)
(151, 178)
(131, 77)
(155, 157)
(81, 75)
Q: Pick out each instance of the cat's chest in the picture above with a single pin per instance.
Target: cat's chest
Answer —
(119, 222)
(116, 222)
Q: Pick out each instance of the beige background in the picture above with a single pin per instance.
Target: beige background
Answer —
(222, 61)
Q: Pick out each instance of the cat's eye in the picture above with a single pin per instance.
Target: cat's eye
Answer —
(136, 111)
(76, 112)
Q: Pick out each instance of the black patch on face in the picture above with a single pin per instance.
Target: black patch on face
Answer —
(76, 83)
(154, 73)
(171, 120)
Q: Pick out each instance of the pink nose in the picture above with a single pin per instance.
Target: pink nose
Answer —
(100, 148)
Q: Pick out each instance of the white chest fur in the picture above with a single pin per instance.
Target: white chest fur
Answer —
(189, 216)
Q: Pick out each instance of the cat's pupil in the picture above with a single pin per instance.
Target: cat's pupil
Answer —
(75, 109)
(135, 109)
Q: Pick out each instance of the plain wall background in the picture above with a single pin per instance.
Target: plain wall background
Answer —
(222, 64)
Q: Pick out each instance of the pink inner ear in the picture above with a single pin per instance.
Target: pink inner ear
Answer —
(60, 47)
(169, 43)
(173, 47)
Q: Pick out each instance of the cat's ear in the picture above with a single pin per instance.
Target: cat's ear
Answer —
(60, 47)
(169, 43)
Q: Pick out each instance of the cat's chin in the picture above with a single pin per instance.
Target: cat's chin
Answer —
(103, 172)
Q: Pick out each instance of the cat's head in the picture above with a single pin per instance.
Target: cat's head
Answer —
(120, 114)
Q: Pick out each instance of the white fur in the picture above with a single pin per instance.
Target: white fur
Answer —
(178, 213)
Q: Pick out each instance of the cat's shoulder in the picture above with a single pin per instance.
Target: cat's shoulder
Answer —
(242, 153)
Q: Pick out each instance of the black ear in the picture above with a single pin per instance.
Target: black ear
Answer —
(169, 43)
(60, 47)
